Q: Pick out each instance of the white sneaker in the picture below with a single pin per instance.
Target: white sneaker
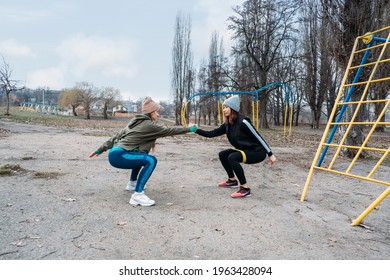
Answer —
(131, 186)
(141, 199)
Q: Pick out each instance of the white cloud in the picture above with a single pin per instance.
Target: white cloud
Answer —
(51, 77)
(112, 58)
(216, 19)
(11, 47)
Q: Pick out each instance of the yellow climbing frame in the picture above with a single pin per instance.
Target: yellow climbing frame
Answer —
(378, 42)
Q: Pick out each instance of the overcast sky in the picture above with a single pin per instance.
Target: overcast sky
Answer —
(118, 43)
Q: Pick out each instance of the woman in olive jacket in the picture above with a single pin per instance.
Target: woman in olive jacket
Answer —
(129, 149)
(249, 146)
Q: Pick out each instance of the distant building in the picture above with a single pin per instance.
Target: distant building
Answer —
(119, 109)
(130, 106)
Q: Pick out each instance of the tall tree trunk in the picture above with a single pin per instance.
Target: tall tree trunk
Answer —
(105, 107)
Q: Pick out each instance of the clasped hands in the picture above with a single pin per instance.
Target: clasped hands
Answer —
(192, 126)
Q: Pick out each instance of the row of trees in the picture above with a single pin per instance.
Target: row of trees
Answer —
(83, 98)
(305, 43)
(86, 94)
(83, 94)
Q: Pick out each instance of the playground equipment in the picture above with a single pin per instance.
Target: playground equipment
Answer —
(255, 104)
(34, 107)
(372, 48)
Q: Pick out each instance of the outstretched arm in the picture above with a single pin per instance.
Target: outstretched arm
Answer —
(212, 133)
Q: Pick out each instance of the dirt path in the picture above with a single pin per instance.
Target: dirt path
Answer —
(67, 206)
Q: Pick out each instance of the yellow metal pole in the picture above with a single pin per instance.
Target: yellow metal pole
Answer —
(371, 207)
(353, 176)
(253, 110)
(183, 113)
(379, 163)
(257, 114)
(223, 116)
(285, 120)
(291, 119)
(218, 112)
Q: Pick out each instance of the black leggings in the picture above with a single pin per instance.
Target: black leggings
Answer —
(231, 160)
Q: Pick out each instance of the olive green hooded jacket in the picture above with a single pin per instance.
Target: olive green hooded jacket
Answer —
(140, 135)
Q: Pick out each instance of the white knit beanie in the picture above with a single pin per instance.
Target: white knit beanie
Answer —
(233, 102)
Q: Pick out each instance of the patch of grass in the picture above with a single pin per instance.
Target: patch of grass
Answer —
(28, 158)
(98, 134)
(46, 175)
(96, 122)
(10, 169)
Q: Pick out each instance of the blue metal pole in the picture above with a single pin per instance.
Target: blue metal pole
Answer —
(377, 39)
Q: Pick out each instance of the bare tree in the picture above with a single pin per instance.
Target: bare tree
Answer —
(108, 95)
(70, 97)
(7, 85)
(202, 87)
(88, 96)
(260, 28)
(317, 59)
(214, 80)
(289, 71)
(183, 73)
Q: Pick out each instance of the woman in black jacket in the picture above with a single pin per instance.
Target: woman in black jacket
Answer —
(249, 146)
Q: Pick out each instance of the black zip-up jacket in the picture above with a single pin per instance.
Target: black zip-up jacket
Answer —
(241, 134)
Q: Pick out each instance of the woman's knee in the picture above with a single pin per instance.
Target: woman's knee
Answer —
(234, 157)
(150, 160)
(223, 155)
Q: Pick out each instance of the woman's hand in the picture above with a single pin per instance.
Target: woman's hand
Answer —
(192, 127)
(272, 159)
(94, 154)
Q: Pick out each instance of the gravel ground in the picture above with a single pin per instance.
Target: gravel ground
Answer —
(61, 205)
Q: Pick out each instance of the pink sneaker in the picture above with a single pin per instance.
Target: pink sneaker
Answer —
(228, 184)
(242, 192)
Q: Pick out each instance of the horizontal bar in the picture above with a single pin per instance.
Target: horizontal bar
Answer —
(364, 101)
(367, 82)
(356, 147)
(360, 123)
(370, 64)
(353, 176)
(369, 48)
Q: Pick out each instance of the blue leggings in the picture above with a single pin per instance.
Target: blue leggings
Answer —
(120, 158)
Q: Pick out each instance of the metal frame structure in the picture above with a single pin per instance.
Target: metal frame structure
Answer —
(289, 98)
(364, 46)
